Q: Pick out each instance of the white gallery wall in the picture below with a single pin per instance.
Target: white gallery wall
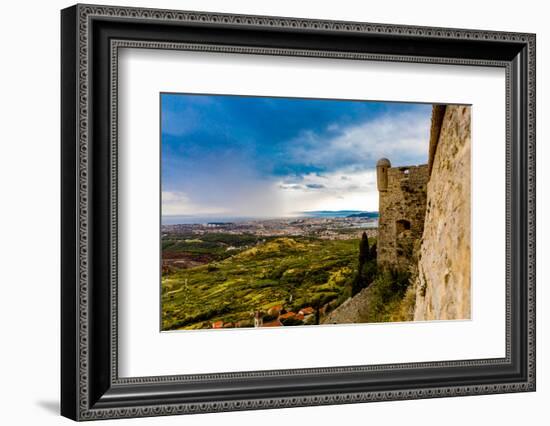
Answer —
(30, 224)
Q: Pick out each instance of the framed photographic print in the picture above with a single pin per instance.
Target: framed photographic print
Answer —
(263, 212)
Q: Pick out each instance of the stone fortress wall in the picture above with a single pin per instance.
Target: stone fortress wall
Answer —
(444, 266)
(424, 222)
(402, 209)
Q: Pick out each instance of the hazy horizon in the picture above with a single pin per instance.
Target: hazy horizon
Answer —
(200, 219)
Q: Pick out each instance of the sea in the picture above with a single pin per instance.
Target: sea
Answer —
(192, 220)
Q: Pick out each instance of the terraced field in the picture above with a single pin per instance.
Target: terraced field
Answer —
(292, 272)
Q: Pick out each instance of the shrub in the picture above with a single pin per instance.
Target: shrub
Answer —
(405, 310)
(317, 276)
(373, 252)
(346, 292)
(357, 284)
(369, 272)
(309, 320)
(387, 291)
(202, 316)
(291, 321)
(268, 317)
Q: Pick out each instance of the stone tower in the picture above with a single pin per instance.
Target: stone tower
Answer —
(402, 210)
(382, 167)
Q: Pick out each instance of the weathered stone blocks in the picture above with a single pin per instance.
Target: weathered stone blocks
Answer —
(402, 207)
(443, 282)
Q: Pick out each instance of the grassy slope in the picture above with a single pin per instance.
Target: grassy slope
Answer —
(213, 245)
(263, 276)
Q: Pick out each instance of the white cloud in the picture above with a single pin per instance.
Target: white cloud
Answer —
(403, 138)
(340, 190)
(179, 204)
(351, 153)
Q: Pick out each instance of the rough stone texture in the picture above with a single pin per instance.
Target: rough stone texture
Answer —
(402, 208)
(353, 310)
(438, 113)
(443, 281)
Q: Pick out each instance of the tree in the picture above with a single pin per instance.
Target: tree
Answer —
(357, 285)
(364, 252)
(373, 252)
(317, 307)
(364, 257)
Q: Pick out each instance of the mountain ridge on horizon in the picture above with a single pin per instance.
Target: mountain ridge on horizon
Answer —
(348, 213)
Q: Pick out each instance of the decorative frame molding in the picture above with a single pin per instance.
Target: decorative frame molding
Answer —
(91, 37)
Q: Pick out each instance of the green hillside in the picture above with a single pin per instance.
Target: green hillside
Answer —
(294, 272)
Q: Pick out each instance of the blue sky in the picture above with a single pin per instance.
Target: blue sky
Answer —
(269, 157)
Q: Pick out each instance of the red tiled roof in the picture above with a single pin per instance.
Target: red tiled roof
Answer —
(274, 310)
(217, 324)
(287, 315)
(308, 310)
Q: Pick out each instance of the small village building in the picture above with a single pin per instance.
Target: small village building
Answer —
(287, 315)
(306, 311)
(275, 310)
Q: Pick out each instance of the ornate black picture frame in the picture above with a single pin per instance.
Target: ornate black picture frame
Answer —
(91, 36)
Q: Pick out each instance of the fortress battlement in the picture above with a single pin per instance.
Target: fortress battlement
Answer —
(402, 209)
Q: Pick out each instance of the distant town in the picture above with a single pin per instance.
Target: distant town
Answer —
(325, 227)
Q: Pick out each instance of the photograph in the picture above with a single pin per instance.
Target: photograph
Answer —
(279, 211)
